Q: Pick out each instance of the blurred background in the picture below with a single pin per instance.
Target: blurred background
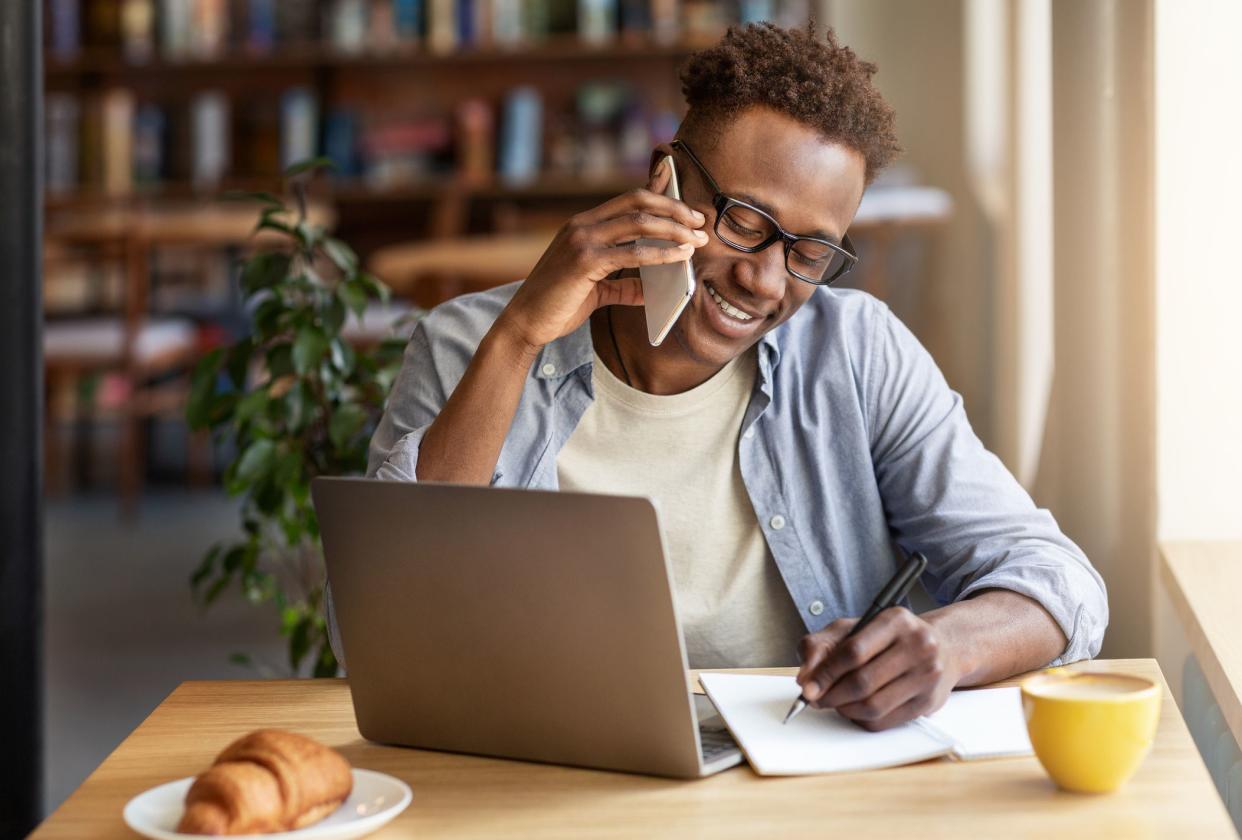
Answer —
(1057, 233)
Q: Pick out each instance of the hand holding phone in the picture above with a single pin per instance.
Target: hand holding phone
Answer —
(667, 287)
(581, 270)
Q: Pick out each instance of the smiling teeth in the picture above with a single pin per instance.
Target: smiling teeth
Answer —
(728, 308)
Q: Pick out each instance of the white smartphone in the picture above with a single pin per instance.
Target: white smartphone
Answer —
(667, 288)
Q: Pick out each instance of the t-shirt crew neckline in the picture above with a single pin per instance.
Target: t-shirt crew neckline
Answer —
(607, 382)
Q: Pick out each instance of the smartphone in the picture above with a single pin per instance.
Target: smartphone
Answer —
(667, 288)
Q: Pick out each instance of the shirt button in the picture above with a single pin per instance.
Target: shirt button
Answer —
(777, 522)
(749, 433)
(816, 608)
(549, 369)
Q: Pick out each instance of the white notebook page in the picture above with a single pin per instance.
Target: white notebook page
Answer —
(815, 741)
(983, 723)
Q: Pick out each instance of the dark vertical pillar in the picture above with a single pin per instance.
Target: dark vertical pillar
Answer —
(21, 404)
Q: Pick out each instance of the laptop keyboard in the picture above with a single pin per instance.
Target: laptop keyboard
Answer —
(715, 743)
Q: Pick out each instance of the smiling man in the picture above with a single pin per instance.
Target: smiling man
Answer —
(792, 435)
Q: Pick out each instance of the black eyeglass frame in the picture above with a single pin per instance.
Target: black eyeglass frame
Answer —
(723, 202)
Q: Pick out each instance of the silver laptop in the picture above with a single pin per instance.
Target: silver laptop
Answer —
(515, 623)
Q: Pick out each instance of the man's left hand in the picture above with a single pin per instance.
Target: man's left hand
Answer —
(894, 670)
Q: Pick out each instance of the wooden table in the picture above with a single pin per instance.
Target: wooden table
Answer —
(1203, 580)
(466, 796)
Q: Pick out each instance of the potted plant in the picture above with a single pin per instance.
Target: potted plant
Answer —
(297, 400)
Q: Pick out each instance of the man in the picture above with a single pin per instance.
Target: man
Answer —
(788, 432)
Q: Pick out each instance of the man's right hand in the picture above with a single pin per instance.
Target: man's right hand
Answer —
(571, 279)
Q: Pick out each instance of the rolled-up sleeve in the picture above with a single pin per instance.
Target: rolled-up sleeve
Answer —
(948, 497)
(416, 398)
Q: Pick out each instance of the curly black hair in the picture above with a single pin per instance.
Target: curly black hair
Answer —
(819, 83)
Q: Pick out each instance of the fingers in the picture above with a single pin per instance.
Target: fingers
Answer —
(648, 200)
(633, 255)
(815, 647)
(641, 224)
(897, 703)
(621, 291)
(851, 653)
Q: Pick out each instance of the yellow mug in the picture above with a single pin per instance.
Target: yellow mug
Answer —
(1090, 730)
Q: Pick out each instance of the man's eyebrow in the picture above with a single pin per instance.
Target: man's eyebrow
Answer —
(767, 208)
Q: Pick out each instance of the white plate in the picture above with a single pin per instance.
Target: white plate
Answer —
(375, 800)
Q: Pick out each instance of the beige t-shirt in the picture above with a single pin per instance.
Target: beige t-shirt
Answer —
(682, 452)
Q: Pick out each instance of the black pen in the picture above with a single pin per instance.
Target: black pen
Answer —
(892, 592)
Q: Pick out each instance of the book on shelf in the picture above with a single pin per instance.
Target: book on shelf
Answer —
(299, 126)
(475, 147)
(346, 26)
(340, 141)
(597, 20)
(382, 26)
(754, 11)
(665, 21)
(118, 141)
(209, 29)
(65, 25)
(260, 26)
(521, 136)
(176, 19)
(211, 149)
(63, 115)
(138, 30)
(149, 145)
(441, 26)
(635, 20)
(507, 25)
(408, 20)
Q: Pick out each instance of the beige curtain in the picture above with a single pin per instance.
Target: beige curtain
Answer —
(1061, 156)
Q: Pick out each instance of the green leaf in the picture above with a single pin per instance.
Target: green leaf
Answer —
(203, 389)
(308, 348)
(262, 271)
(325, 661)
(346, 421)
(280, 360)
(342, 356)
(241, 659)
(341, 254)
(206, 567)
(310, 165)
(375, 287)
(333, 315)
(216, 588)
(250, 407)
(270, 223)
(354, 295)
(256, 461)
(299, 642)
(239, 361)
(298, 406)
(266, 317)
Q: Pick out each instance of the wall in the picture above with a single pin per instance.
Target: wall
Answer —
(1198, 175)
(919, 48)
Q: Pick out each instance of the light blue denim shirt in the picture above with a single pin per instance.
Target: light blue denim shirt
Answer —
(852, 442)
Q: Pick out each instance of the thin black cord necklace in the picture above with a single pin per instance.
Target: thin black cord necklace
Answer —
(616, 349)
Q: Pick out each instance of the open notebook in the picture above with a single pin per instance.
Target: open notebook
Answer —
(984, 723)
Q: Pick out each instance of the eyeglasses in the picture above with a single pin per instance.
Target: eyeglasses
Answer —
(749, 229)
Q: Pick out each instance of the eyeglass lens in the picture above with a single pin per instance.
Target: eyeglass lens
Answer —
(744, 227)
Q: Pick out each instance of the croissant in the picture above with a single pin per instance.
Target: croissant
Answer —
(269, 780)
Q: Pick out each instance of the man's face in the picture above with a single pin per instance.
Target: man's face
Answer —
(811, 186)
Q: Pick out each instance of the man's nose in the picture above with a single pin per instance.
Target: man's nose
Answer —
(763, 275)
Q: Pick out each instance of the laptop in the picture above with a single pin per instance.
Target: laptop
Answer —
(522, 624)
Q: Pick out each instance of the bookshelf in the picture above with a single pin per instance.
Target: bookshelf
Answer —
(447, 117)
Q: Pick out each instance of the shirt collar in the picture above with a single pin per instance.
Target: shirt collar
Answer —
(566, 354)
